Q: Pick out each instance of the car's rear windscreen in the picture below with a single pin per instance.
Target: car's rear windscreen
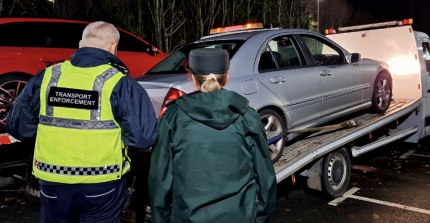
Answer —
(177, 62)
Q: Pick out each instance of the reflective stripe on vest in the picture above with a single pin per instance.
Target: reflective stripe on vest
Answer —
(76, 123)
(76, 171)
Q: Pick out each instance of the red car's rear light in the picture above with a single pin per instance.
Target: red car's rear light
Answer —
(173, 94)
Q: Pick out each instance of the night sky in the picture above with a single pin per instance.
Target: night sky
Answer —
(389, 10)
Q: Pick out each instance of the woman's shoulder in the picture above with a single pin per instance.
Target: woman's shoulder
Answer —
(253, 121)
(251, 113)
(170, 112)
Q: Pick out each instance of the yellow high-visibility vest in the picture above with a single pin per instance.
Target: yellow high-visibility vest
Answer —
(78, 139)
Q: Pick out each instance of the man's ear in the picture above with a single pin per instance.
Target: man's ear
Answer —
(114, 48)
(80, 44)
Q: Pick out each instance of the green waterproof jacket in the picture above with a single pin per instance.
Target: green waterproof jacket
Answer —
(210, 162)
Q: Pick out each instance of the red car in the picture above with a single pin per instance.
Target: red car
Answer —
(27, 45)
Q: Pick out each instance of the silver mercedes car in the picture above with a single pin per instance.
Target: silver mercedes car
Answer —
(294, 78)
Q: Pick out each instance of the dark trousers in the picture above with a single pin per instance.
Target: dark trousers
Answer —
(69, 203)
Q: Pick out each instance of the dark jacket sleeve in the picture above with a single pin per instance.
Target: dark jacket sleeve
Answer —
(161, 172)
(263, 168)
(23, 117)
(132, 109)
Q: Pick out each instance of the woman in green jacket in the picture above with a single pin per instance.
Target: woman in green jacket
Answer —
(210, 161)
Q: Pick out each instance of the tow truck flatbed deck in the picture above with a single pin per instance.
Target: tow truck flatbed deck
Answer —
(299, 154)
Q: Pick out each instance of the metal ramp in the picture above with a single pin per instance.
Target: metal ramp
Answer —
(303, 152)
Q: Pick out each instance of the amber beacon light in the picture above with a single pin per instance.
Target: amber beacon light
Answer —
(237, 28)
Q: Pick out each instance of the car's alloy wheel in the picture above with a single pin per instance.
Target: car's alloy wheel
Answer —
(10, 87)
(274, 126)
(383, 96)
(382, 93)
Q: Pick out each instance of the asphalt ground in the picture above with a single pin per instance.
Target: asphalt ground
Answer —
(380, 175)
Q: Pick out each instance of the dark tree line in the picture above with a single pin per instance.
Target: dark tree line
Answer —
(168, 24)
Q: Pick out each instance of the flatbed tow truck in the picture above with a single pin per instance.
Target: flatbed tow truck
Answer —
(320, 160)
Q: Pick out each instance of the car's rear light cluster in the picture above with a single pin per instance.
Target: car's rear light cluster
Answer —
(173, 94)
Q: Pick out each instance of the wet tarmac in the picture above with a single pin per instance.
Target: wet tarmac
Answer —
(380, 175)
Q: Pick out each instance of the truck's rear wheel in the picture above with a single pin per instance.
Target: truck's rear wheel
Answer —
(336, 171)
(382, 92)
(275, 127)
(11, 85)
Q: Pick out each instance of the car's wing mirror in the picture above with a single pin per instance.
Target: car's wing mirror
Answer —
(151, 50)
(355, 58)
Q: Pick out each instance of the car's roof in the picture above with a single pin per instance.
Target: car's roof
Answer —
(34, 19)
(4, 20)
(261, 34)
(248, 34)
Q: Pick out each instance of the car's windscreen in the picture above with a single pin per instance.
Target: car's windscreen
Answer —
(177, 62)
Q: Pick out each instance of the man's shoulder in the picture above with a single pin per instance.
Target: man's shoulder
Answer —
(128, 82)
(127, 87)
(55, 63)
(121, 68)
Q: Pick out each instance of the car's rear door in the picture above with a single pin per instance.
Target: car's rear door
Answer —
(342, 83)
(52, 41)
(283, 68)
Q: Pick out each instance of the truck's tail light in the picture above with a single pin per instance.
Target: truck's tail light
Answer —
(408, 21)
(330, 31)
(173, 94)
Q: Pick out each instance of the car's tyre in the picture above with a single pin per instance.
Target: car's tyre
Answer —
(11, 85)
(382, 93)
(336, 171)
(274, 125)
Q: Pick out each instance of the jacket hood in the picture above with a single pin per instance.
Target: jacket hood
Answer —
(218, 109)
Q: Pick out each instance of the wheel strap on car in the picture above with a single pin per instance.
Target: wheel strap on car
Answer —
(349, 123)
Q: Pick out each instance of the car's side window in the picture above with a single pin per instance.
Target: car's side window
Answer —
(267, 61)
(286, 53)
(323, 52)
(281, 52)
(57, 35)
(14, 34)
(426, 51)
(128, 42)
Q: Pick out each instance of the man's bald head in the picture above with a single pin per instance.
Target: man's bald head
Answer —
(100, 35)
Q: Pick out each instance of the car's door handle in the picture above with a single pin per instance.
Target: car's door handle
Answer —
(275, 80)
(325, 73)
(45, 59)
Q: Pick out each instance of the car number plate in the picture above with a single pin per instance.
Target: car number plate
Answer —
(129, 216)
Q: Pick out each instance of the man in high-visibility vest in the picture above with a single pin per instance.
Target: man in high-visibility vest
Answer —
(84, 112)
